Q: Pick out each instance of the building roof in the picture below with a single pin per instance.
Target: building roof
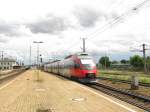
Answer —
(7, 60)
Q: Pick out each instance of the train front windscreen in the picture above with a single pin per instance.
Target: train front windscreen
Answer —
(87, 64)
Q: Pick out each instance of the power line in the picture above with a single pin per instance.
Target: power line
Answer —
(118, 19)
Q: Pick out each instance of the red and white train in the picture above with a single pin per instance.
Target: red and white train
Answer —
(79, 66)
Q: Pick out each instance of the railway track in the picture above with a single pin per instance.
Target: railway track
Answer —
(11, 75)
(138, 100)
(123, 81)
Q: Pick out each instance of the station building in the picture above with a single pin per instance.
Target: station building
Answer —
(7, 64)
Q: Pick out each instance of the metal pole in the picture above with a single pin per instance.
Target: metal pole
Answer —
(105, 62)
(83, 44)
(30, 56)
(2, 60)
(84, 49)
(144, 57)
(37, 54)
(37, 61)
(41, 60)
(38, 58)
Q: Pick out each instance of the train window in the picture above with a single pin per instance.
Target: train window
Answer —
(88, 64)
(87, 61)
(77, 65)
(71, 64)
(87, 67)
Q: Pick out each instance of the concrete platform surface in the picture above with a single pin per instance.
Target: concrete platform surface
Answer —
(55, 94)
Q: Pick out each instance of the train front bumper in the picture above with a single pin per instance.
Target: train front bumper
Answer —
(88, 80)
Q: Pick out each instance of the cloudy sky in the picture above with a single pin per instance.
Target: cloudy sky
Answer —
(112, 27)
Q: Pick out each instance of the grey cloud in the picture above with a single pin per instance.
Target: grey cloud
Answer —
(87, 17)
(129, 35)
(3, 39)
(50, 25)
(9, 29)
(118, 42)
(124, 39)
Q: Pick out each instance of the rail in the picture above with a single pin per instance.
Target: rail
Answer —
(12, 74)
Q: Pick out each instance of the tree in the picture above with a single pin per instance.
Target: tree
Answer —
(136, 61)
(114, 62)
(104, 61)
(123, 61)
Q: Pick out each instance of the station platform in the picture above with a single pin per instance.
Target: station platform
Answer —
(55, 94)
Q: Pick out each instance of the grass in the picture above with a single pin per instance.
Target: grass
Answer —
(124, 75)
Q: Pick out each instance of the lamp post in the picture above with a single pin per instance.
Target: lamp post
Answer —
(37, 42)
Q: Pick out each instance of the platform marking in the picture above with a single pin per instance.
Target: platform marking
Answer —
(129, 109)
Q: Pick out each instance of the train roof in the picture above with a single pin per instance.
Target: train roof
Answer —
(68, 56)
(83, 55)
(79, 54)
(56, 60)
(51, 62)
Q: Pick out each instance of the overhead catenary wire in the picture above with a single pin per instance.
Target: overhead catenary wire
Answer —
(117, 19)
(114, 21)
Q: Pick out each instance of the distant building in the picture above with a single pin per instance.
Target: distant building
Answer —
(120, 66)
(7, 64)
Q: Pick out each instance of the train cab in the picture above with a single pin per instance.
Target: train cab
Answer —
(85, 68)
